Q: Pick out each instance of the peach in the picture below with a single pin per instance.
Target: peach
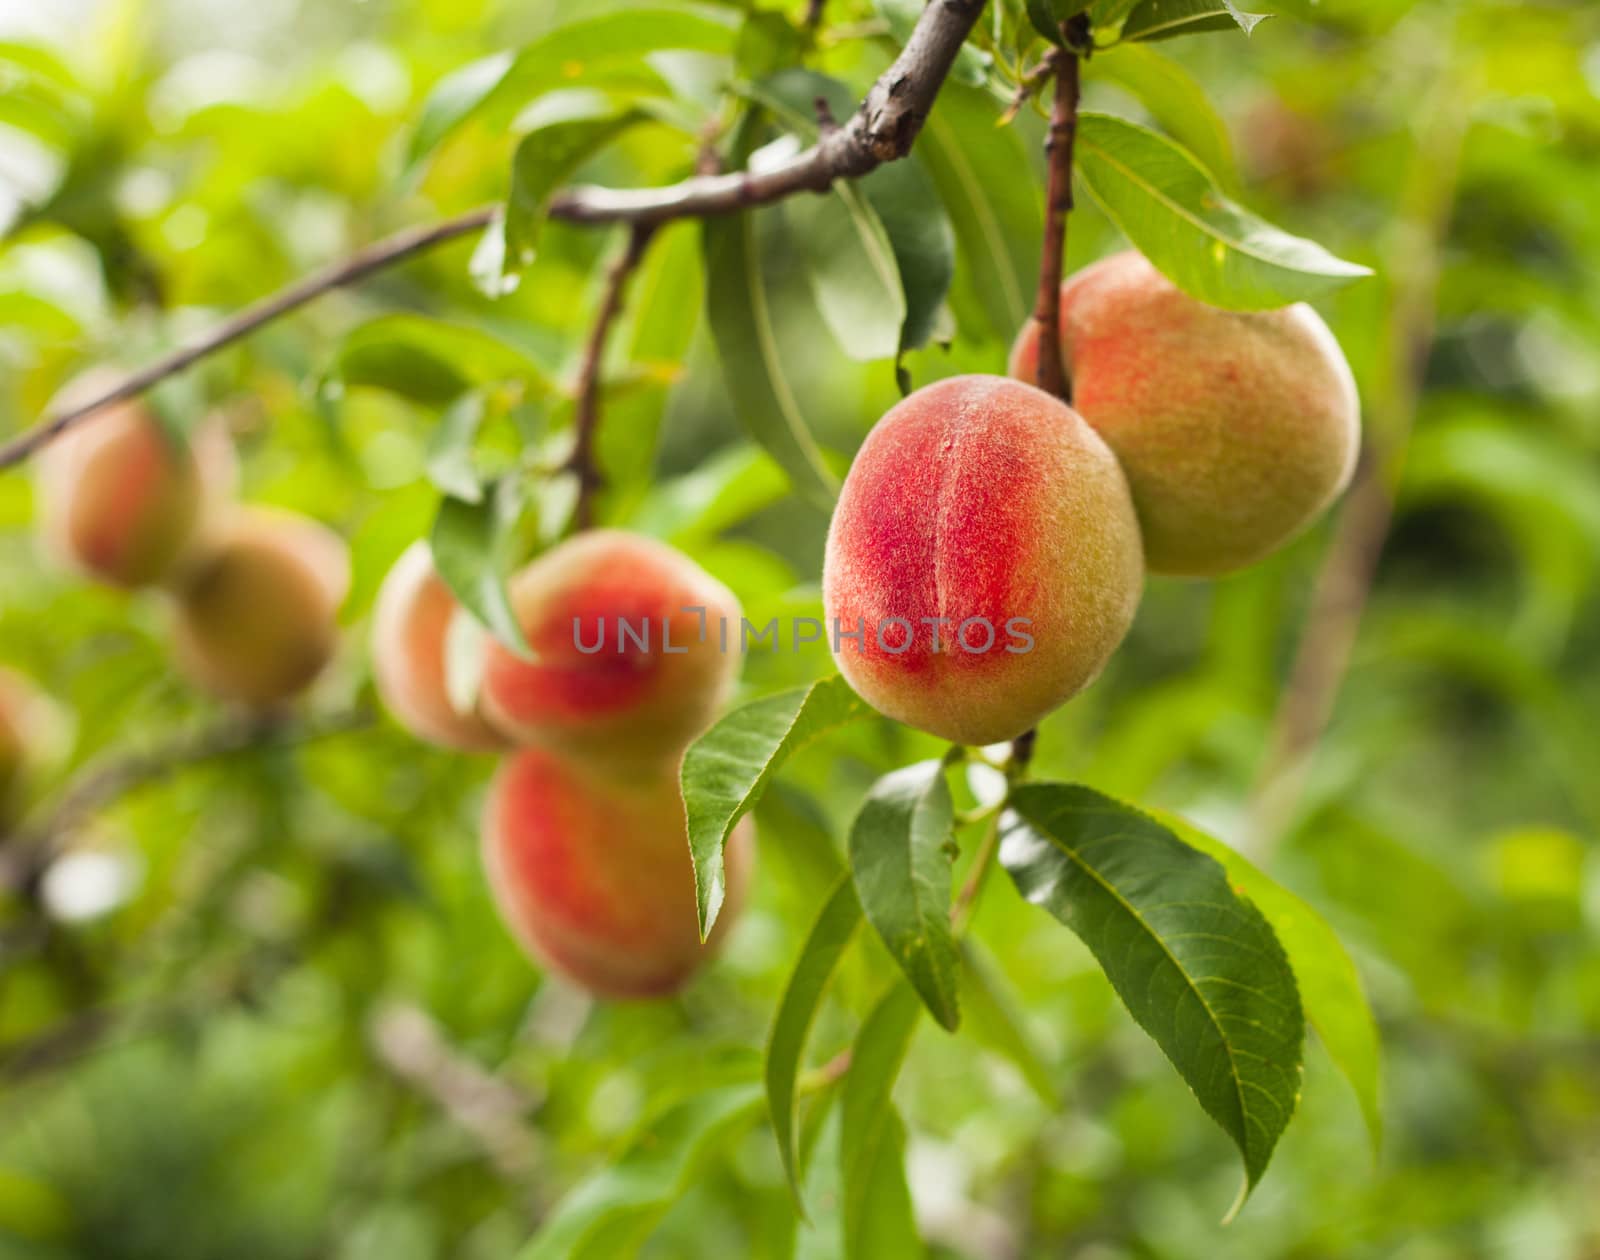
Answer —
(592, 873)
(984, 557)
(122, 500)
(257, 611)
(410, 620)
(1236, 429)
(32, 734)
(629, 663)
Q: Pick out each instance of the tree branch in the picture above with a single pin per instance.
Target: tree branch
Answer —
(881, 130)
(586, 417)
(1058, 205)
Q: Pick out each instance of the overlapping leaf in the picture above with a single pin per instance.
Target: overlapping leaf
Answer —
(1168, 206)
(725, 771)
(1197, 965)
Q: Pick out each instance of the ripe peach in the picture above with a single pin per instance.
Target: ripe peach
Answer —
(256, 612)
(630, 662)
(1236, 428)
(122, 500)
(592, 872)
(984, 554)
(409, 623)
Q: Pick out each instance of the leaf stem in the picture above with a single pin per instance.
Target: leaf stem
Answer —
(586, 416)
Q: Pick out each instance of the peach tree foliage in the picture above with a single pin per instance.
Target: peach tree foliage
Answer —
(1221, 966)
(1221, 971)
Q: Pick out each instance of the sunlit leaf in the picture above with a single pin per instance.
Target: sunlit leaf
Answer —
(875, 1214)
(808, 981)
(1168, 206)
(1164, 19)
(852, 269)
(428, 360)
(726, 770)
(900, 857)
(755, 366)
(473, 548)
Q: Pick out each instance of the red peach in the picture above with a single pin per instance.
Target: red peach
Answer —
(1236, 429)
(985, 548)
(629, 663)
(592, 873)
(122, 500)
(410, 620)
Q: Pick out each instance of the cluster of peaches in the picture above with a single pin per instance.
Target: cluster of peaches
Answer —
(1197, 442)
(255, 591)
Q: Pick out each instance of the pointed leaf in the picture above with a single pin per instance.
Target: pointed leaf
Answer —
(589, 50)
(1163, 19)
(1167, 205)
(450, 466)
(901, 864)
(544, 160)
(1196, 964)
(852, 271)
(825, 944)
(725, 771)
(871, 1174)
(612, 1212)
(754, 366)
(1330, 987)
(473, 549)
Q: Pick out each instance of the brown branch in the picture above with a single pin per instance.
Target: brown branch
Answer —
(881, 130)
(813, 17)
(1058, 205)
(377, 257)
(25, 855)
(586, 416)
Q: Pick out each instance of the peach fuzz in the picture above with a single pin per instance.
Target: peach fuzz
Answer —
(1236, 429)
(630, 699)
(256, 614)
(410, 621)
(979, 498)
(123, 501)
(592, 873)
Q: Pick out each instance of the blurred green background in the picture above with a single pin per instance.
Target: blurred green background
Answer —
(262, 1006)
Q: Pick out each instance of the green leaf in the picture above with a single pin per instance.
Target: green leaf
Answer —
(1048, 15)
(904, 200)
(996, 1019)
(1330, 986)
(1197, 965)
(852, 271)
(1213, 249)
(973, 163)
(830, 935)
(1163, 19)
(1175, 100)
(611, 1213)
(587, 51)
(544, 160)
(923, 240)
(901, 864)
(725, 771)
(875, 1212)
(474, 547)
(427, 360)
(450, 466)
(754, 366)
(453, 100)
